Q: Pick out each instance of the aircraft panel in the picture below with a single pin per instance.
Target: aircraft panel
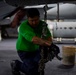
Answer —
(5, 9)
(64, 29)
(66, 11)
(32, 2)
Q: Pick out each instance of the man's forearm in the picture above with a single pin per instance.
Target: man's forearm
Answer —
(40, 41)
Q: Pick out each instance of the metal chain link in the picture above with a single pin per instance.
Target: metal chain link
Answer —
(44, 32)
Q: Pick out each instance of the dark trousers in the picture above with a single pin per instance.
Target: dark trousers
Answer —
(30, 62)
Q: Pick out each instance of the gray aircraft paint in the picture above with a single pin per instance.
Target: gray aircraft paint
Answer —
(63, 29)
(66, 11)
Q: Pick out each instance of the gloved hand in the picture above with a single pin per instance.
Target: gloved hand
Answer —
(52, 51)
(55, 49)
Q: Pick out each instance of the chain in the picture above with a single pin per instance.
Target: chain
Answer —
(42, 60)
(44, 32)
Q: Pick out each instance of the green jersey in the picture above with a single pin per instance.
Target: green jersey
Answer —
(26, 33)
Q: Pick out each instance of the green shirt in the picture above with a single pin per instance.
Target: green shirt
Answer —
(26, 33)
